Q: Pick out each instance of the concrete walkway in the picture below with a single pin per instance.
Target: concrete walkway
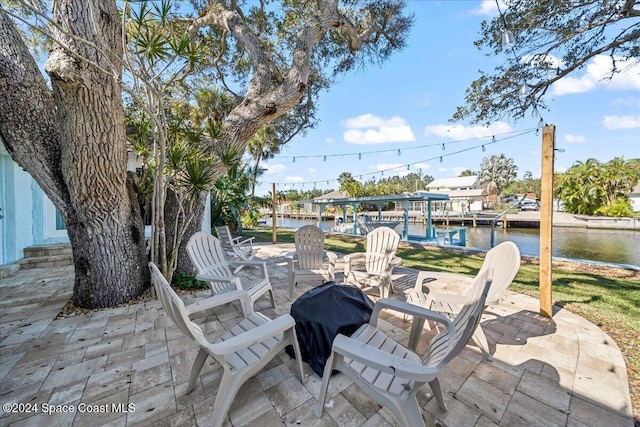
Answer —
(130, 366)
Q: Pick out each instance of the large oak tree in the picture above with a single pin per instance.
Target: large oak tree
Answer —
(70, 136)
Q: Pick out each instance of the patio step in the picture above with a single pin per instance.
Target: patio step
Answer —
(41, 256)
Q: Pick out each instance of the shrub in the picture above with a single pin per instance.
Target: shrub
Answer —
(621, 208)
(188, 282)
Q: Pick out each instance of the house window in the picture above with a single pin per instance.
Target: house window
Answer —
(60, 225)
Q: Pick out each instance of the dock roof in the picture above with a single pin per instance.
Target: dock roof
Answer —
(418, 196)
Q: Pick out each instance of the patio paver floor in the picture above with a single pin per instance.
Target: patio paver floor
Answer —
(130, 365)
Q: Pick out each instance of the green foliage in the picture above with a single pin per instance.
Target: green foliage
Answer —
(229, 197)
(596, 188)
(188, 282)
(496, 172)
(560, 38)
(622, 208)
(250, 218)
(525, 185)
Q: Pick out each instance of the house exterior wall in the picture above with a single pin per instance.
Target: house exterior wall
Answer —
(28, 216)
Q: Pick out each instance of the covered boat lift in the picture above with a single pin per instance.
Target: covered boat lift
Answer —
(381, 201)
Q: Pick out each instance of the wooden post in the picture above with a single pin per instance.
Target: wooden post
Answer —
(273, 212)
(546, 219)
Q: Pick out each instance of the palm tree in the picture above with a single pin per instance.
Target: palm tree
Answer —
(496, 172)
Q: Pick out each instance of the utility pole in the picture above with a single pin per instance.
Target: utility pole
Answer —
(546, 219)
(273, 212)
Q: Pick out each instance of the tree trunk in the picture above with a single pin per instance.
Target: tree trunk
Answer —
(184, 264)
(80, 163)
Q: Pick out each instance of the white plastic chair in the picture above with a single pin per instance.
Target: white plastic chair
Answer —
(207, 256)
(504, 260)
(393, 374)
(236, 247)
(310, 261)
(241, 351)
(379, 261)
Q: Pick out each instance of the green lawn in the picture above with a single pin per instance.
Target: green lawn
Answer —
(611, 303)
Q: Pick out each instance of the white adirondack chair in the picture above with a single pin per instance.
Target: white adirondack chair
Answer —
(504, 260)
(310, 261)
(207, 256)
(241, 351)
(239, 248)
(393, 374)
(379, 261)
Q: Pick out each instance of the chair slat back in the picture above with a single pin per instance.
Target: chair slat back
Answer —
(225, 237)
(382, 244)
(448, 343)
(309, 242)
(504, 259)
(173, 306)
(207, 256)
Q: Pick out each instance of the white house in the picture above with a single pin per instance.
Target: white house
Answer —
(464, 192)
(27, 216)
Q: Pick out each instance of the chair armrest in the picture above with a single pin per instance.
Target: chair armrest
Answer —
(448, 298)
(331, 256)
(381, 360)
(246, 339)
(410, 309)
(260, 265)
(356, 255)
(395, 261)
(221, 299)
(423, 276)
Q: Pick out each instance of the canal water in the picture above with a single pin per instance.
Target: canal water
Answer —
(610, 246)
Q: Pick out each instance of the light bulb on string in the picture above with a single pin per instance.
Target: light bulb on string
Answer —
(483, 148)
(508, 39)
(443, 148)
(324, 158)
(440, 159)
(408, 167)
(493, 139)
(398, 151)
(359, 156)
(294, 159)
(525, 90)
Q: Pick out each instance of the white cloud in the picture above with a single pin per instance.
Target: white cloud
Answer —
(274, 168)
(621, 122)
(370, 129)
(294, 179)
(329, 140)
(443, 169)
(626, 102)
(312, 170)
(388, 166)
(573, 139)
(423, 166)
(458, 170)
(597, 74)
(488, 7)
(456, 132)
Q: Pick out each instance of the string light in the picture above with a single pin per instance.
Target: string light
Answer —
(482, 146)
(398, 151)
(324, 158)
(443, 146)
(359, 156)
(294, 159)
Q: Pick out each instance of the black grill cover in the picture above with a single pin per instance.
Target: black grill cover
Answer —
(324, 312)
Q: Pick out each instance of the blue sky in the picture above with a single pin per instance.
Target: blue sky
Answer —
(406, 105)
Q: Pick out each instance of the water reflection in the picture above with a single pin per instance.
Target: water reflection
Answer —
(616, 246)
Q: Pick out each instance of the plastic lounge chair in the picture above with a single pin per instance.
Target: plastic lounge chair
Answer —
(504, 260)
(207, 256)
(310, 261)
(236, 247)
(241, 351)
(393, 374)
(379, 260)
